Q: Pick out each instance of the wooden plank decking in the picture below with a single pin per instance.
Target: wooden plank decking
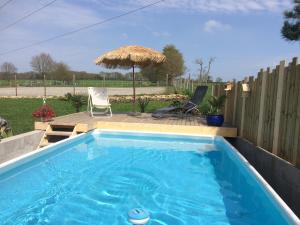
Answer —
(144, 122)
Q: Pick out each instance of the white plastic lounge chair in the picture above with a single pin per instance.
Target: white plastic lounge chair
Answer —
(98, 98)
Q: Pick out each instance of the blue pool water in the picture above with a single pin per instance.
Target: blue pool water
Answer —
(96, 178)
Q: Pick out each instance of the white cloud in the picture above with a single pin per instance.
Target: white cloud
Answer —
(221, 5)
(214, 25)
(61, 14)
(59, 17)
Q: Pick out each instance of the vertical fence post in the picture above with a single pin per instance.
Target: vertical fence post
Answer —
(182, 83)
(16, 84)
(243, 116)
(212, 89)
(226, 105)
(219, 90)
(235, 86)
(261, 107)
(74, 84)
(243, 113)
(45, 93)
(167, 80)
(278, 107)
(296, 144)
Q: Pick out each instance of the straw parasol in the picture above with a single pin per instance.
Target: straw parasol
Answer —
(130, 57)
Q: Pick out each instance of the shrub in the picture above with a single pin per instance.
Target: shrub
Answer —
(216, 104)
(204, 108)
(68, 96)
(176, 103)
(143, 103)
(77, 101)
(188, 93)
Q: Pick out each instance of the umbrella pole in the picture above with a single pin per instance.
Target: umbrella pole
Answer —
(133, 85)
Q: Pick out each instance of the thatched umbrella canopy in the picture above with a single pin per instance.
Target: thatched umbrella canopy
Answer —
(130, 57)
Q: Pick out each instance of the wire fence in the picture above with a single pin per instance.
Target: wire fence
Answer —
(45, 87)
(79, 83)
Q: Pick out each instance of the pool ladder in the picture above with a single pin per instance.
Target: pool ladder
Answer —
(57, 132)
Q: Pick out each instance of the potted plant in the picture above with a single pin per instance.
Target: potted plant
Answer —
(214, 116)
(45, 113)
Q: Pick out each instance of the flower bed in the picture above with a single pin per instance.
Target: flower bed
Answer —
(115, 98)
(165, 98)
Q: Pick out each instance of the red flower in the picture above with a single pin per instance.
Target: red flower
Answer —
(45, 112)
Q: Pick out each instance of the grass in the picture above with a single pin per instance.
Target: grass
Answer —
(18, 112)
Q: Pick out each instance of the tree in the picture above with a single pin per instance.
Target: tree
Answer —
(8, 69)
(42, 63)
(173, 66)
(219, 80)
(291, 26)
(61, 71)
(204, 71)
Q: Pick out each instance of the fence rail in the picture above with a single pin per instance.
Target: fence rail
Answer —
(78, 83)
(269, 115)
(19, 85)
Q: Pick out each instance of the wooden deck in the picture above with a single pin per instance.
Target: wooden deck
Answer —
(143, 122)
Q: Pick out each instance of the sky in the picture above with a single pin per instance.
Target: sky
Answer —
(242, 35)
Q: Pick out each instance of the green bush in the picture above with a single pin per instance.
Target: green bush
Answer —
(216, 104)
(204, 108)
(143, 103)
(68, 96)
(188, 92)
(77, 101)
(176, 103)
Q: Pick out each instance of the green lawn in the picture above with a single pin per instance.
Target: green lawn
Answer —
(18, 112)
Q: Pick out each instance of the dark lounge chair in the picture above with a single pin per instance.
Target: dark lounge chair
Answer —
(187, 107)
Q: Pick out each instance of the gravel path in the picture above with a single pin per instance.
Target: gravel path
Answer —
(61, 91)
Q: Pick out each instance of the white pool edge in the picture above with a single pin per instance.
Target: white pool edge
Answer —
(12, 163)
(152, 132)
(6, 166)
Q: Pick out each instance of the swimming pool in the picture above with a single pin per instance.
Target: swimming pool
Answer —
(97, 177)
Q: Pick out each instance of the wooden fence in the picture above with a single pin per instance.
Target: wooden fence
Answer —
(268, 115)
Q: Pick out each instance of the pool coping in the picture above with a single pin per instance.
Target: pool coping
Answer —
(20, 160)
